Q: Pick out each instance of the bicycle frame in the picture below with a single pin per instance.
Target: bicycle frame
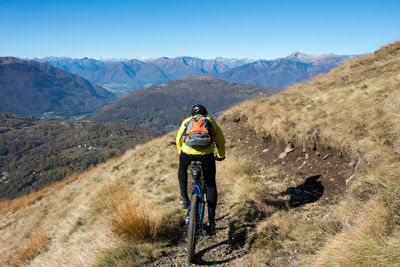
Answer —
(197, 190)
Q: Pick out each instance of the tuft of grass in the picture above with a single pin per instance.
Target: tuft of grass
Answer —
(173, 165)
(134, 221)
(79, 223)
(34, 246)
(170, 198)
(127, 254)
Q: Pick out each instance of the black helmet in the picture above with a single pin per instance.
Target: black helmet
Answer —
(199, 109)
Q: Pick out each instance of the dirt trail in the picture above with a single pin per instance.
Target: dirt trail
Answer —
(218, 250)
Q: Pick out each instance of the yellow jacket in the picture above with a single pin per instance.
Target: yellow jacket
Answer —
(219, 139)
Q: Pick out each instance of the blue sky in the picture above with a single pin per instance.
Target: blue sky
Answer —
(205, 29)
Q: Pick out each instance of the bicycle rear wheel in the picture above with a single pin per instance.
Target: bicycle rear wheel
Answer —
(192, 229)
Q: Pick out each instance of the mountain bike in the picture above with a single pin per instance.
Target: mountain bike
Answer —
(195, 214)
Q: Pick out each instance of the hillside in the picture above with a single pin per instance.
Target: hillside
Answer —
(351, 111)
(310, 183)
(165, 105)
(38, 89)
(35, 153)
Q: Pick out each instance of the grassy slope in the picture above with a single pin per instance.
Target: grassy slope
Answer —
(76, 216)
(353, 108)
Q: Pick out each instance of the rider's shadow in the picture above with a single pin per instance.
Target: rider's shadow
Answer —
(310, 191)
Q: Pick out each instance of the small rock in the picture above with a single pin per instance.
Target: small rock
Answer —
(307, 156)
(265, 150)
(396, 149)
(282, 155)
(262, 264)
(302, 165)
(317, 153)
(348, 180)
(360, 164)
(289, 149)
(305, 216)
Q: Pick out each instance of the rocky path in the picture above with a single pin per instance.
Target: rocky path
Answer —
(218, 250)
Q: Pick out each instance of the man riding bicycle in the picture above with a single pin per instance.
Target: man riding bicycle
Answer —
(195, 142)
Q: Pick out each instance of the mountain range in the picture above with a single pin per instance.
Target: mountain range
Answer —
(283, 72)
(39, 89)
(121, 77)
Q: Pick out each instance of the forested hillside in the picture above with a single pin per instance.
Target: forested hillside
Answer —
(164, 106)
(35, 153)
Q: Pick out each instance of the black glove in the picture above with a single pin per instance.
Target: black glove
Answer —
(218, 158)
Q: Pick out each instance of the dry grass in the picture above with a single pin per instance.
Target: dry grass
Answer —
(141, 204)
(355, 103)
(22, 202)
(361, 245)
(353, 109)
(135, 221)
(128, 254)
(64, 211)
(35, 245)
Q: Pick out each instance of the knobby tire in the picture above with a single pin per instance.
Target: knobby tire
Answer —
(192, 229)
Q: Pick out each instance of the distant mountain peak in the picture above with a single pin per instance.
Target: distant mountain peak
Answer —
(199, 77)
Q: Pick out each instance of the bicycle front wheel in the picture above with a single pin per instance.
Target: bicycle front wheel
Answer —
(192, 229)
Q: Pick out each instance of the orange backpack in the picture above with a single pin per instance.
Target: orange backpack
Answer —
(198, 133)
